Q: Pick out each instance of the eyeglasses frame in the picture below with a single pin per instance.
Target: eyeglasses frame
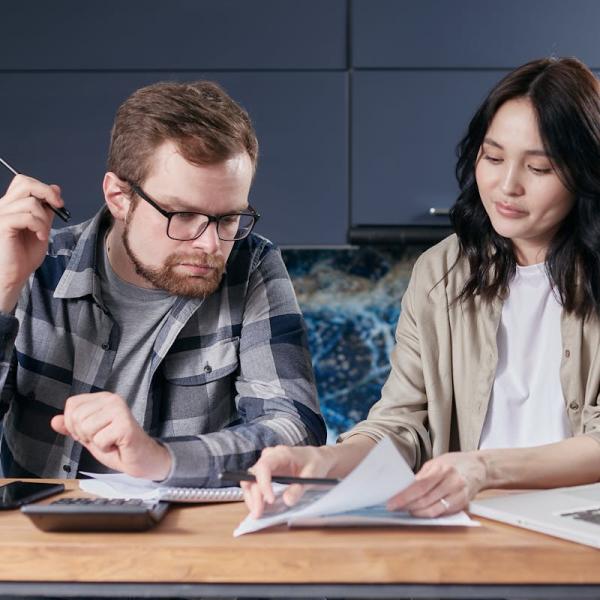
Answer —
(211, 218)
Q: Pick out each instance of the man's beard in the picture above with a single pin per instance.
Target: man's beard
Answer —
(165, 277)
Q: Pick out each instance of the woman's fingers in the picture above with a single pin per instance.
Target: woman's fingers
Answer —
(416, 490)
(282, 460)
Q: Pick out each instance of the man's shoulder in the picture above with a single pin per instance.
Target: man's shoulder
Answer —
(71, 248)
(256, 246)
(64, 241)
(248, 254)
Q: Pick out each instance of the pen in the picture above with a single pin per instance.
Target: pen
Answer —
(63, 213)
(238, 476)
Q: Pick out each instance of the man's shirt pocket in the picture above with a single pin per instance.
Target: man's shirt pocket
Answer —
(199, 388)
(203, 365)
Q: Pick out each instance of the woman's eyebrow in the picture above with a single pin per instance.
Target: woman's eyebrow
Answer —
(491, 142)
(533, 151)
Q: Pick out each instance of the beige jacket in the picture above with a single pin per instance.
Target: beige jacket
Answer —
(444, 363)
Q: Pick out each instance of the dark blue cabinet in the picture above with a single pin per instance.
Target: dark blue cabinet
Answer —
(65, 66)
(405, 128)
(420, 69)
(55, 126)
(358, 104)
(174, 35)
(472, 33)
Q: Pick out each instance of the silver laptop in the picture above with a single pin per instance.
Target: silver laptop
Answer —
(572, 513)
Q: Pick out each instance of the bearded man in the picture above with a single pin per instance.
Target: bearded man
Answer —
(162, 338)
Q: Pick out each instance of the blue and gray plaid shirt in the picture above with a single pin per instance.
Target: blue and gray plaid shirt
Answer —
(230, 374)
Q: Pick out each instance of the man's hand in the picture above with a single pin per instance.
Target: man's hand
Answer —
(25, 221)
(443, 486)
(103, 423)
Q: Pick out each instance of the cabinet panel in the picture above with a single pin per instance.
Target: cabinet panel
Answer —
(405, 128)
(472, 33)
(174, 35)
(55, 126)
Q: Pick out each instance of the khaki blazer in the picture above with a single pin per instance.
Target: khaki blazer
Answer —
(444, 362)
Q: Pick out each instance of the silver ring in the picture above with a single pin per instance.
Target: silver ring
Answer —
(445, 503)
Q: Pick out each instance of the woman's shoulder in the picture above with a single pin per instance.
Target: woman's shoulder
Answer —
(439, 276)
(442, 261)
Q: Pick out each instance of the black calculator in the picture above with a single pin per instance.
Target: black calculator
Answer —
(96, 514)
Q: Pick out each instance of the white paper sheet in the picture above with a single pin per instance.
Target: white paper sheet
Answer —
(382, 474)
(119, 485)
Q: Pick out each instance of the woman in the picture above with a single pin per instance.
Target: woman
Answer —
(496, 371)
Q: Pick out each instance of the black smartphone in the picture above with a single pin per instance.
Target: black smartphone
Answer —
(18, 493)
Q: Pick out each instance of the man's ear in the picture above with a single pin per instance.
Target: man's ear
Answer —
(116, 201)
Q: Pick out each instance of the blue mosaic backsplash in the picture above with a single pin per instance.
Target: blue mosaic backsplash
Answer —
(351, 302)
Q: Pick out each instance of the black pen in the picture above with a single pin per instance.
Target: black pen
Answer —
(238, 476)
(63, 212)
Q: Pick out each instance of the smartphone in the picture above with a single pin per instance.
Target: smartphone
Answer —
(18, 493)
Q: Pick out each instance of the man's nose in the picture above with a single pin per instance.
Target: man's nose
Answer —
(209, 241)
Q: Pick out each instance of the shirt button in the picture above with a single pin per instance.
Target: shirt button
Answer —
(207, 368)
(105, 346)
(573, 405)
(66, 468)
(567, 353)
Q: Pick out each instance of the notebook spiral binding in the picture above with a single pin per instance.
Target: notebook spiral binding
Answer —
(187, 494)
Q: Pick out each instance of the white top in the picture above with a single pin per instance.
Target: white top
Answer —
(527, 407)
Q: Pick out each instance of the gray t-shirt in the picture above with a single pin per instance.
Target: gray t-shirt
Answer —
(139, 314)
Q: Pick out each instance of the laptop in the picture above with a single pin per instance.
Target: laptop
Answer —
(572, 513)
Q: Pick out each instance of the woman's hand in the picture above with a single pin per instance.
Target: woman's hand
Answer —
(304, 461)
(443, 486)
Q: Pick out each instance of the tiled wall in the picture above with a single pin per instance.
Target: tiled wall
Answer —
(351, 302)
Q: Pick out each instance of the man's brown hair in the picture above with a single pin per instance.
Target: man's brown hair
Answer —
(207, 126)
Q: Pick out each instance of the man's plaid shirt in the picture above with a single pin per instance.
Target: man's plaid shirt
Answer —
(231, 374)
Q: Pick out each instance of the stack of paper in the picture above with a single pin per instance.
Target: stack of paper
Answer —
(359, 499)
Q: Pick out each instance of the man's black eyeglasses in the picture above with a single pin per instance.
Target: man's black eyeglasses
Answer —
(185, 226)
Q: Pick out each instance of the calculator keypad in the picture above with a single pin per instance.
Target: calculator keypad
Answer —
(100, 502)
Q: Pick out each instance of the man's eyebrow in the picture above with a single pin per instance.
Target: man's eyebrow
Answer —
(533, 152)
(176, 201)
(177, 204)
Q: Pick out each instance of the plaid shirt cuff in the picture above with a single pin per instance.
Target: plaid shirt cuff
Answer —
(9, 326)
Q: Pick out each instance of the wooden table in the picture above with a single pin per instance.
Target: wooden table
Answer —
(192, 553)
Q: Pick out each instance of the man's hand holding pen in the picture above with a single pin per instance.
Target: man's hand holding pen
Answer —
(25, 220)
(59, 211)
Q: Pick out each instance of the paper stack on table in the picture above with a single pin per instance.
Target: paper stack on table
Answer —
(119, 485)
(358, 500)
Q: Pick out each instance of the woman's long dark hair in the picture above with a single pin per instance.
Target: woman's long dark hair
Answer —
(565, 96)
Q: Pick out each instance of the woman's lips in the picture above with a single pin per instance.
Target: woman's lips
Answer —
(506, 210)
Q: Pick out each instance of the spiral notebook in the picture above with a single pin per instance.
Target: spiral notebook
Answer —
(118, 485)
(186, 494)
